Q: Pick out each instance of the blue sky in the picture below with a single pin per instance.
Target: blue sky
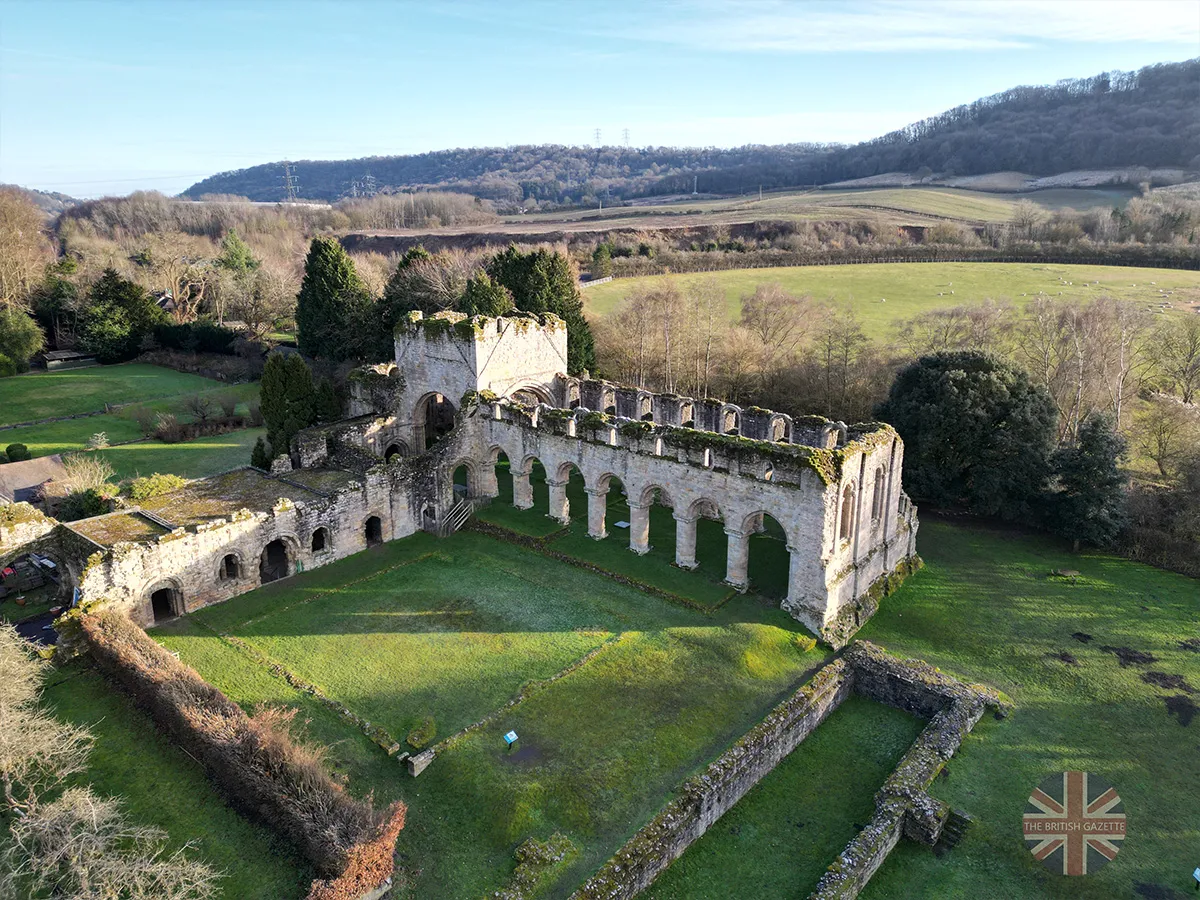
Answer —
(101, 97)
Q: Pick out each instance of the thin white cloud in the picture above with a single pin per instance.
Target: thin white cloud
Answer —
(920, 25)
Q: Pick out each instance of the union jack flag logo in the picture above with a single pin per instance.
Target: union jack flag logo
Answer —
(1074, 823)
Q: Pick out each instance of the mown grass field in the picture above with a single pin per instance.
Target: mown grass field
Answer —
(41, 395)
(884, 294)
(160, 785)
(411, 629)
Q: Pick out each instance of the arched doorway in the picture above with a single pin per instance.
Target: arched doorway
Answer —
(461, 480)
(274, 563)
(373, 530)
(504, 479)
(435, 417)
(395, 449)
(567, 498)
(165, 603)
(769, 566)
(231, 567)
(530, 396)
(712, 544)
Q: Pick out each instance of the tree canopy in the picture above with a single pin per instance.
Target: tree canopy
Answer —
(1088, 503)
(977, 433)
(121, 315)
(331, 298)
(289, 399)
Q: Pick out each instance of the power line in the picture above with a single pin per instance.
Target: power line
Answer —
(597, 137)
(625, 136)
(290, 183)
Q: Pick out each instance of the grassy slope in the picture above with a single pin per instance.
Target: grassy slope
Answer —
(777, 841)
(159, 785)
(193, 459)
(662, 699)
(914, 288)
(73, 434)
(984, 608)
(40, 395)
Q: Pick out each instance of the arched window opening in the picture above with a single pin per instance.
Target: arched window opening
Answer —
(729, 422)
(877, 498)
(374, 531)
(846, 525)
(274, 562)
(320, 540)
(768, 557)
(393, 451)
(230, 568)
(437, 418)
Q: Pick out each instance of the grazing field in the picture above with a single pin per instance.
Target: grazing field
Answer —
(452, 629)
(883, 294)
(160, 785)
(190, 459)
(41, 395)
(779, 839)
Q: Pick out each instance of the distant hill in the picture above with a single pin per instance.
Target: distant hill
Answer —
(1110, 121)
(50, 202)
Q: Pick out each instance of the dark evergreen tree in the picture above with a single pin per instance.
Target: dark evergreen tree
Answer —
(288, 399)
(1088, 503)
(484, 297)
(236, 255)
(602, 266)
(542, 281)
(121, 314)
(260, 456)
(329, 299)
(977, 433)
(328, 407)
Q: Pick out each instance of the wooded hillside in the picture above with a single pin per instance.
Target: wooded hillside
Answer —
(1143, 118)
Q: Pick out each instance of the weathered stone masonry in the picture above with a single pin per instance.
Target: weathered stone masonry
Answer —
(461, 393)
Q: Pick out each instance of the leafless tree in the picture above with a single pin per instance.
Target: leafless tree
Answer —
(24, 249)
(1168, 432)
(1176, 353)
(87, 471)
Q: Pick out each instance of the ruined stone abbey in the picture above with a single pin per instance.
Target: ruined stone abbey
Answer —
(466, 394)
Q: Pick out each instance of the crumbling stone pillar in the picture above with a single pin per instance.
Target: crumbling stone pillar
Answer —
(487, 482)
(597, 509)
(685, 542)
(737, 558)
(522, 490)
(560, 506)
(639, 529)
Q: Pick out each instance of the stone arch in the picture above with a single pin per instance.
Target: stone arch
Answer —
(768, 554)
(705, 508)
(846, 513)
(730, 419)
(779, 429)
(373, 530)
(571, 395)
(395, 449)
(687, 414)
(229, 567)
(433, 416)
(321, 540)
(278, 558)
(164, 600)
(655, 493)
(532, 395)
(608, 401)
(471, 485)
(645, 406)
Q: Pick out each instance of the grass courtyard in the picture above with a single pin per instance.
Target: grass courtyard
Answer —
(910, 289)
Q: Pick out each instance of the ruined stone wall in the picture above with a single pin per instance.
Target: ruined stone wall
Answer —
(190, 560)
(704, 799)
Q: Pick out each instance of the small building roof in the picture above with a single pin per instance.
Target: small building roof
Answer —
(19, 481)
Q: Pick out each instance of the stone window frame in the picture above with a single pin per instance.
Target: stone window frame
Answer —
(849, 495)
(222, 575)
(327, 545)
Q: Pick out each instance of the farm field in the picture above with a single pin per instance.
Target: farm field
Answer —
(883, 294)
(41, 395)
(165, 788)
(392, 633)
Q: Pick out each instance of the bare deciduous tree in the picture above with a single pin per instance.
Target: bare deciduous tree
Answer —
(24, 249)
(1176, 353)
(1168, 433)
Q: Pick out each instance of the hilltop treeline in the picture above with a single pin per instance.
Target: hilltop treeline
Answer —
(1111, 120)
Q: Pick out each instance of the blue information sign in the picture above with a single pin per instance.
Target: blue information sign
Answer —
(510, 738)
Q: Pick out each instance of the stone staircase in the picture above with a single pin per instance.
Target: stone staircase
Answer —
(954, 830)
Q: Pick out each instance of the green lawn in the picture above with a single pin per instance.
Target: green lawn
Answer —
(913, 288)
(778, 840)
(454, 629)
(985, 608)
(41, 395)
(160, 785)
(192, 459)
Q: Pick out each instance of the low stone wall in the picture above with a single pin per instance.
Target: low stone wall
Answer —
(706, 797)
(902, 806)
